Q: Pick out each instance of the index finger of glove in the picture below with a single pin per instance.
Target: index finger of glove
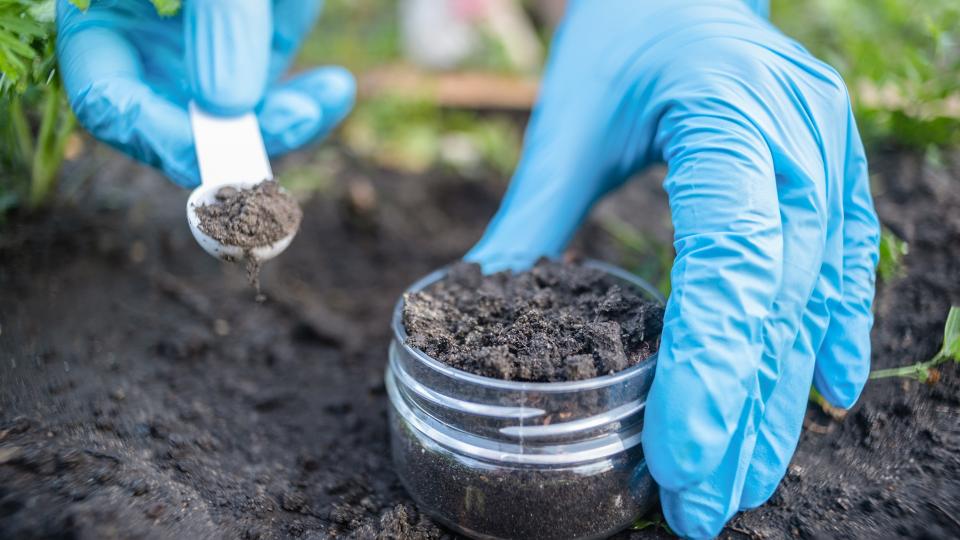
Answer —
(723, 201)
(843, 362)
(227, 48)
(292, 21)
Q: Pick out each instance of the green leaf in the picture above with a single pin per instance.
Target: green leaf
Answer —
(892, 250)
(163, 7)
(642, 524)
(17, 46)
(21, 26)
(951, 335)
(167, 7)
(11, 65)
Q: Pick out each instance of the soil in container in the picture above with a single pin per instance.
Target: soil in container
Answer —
(557, 322)
(250, 218)
(485, 500)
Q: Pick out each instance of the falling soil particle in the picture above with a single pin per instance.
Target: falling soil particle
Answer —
(250, 218)
(556, 322)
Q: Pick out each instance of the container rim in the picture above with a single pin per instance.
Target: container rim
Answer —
(400, 334)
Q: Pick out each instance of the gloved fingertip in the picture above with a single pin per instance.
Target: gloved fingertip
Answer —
(672, 466)
(843, 362)
(289, 119)
(756, 494)
(333, 87)
(305, 108)
(492, 261)
(693, 516)
(842, 393)
(184, 177)
(227, 53)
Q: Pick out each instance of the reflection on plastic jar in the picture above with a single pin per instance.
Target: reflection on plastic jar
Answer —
(505, 459)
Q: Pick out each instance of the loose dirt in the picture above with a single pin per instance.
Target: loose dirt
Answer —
(250, 218)
(556, 322)
(143, 395)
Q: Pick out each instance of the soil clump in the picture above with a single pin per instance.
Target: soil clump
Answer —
(250, 218)
(556, 322)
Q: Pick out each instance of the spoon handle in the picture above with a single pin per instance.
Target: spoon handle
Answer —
(229, 149)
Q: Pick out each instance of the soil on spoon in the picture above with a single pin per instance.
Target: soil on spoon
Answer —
(556, 322)
(250, 218)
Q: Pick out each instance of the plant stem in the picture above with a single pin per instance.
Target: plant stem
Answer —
(950, 350)
(919, 371)
(21, 129)
(50, 145)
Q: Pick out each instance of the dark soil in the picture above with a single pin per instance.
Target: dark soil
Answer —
(556, 322)
(143, 395)
(250, 218)
(516, 502)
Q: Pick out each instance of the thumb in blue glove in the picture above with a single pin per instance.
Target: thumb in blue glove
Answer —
(130, 73)
(775, 232)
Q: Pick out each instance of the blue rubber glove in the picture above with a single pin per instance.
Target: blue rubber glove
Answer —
(129, 74)
(775, 231)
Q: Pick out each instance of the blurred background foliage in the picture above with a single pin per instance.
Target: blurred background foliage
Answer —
(901, 59)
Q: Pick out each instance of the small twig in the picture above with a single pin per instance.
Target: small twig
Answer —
(101, 455)
(945, 514)
(817, 428)
(748, 532)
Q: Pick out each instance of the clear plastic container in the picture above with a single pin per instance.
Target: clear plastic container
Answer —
(504, 459)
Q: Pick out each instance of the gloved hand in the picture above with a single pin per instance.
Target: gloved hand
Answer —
(775, 231)
(129, 74)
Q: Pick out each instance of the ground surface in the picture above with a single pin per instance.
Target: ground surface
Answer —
(144, 394)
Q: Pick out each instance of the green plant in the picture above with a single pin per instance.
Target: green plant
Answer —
(646, 257)
(900, 58)
(163, 7)
(892, 251)
(36, 121)
(924, 371)
(652, 521)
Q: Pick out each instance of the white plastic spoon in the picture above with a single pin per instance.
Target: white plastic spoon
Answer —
(230, 152)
